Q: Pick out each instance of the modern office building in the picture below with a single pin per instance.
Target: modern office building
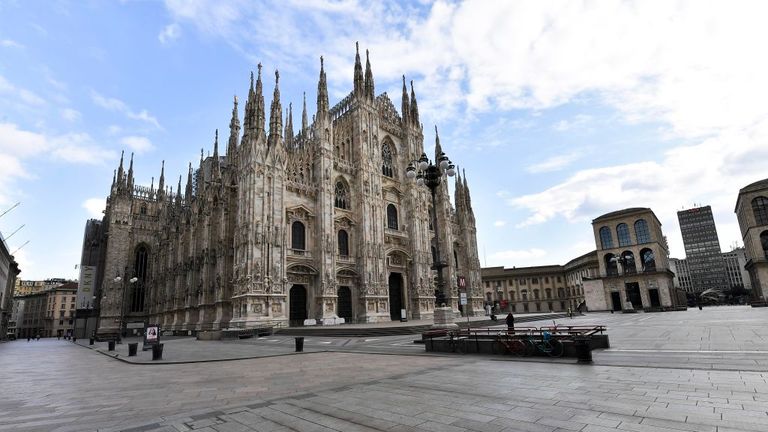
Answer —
(682, 279)
(735, 268)
(91, 271)
(702, 249)
(752, 212)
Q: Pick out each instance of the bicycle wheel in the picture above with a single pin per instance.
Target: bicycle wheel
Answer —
(557, 348)
(518, 347)
(500, 346)
(530, 347)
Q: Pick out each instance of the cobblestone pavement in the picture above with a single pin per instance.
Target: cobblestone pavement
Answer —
(58, 386)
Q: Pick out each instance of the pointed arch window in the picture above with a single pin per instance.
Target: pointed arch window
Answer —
(606, 240)
(760, 209)
(622, 232)
(641, 231)
(392, 217)
(140, 271)
(342, 196)
(386, 156)
(343, 241)
(298, 240)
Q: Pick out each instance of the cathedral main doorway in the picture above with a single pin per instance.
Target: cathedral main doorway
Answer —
(298, 306)
(395, 295)
(345, 304)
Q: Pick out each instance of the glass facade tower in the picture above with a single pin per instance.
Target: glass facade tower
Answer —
(702, 249)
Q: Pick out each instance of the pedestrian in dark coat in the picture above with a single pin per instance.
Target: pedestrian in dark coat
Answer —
(510, 323)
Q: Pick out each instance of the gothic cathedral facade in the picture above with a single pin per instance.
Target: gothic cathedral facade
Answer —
(291, 228)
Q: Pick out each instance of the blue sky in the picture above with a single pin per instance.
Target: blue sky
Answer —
(558, 111)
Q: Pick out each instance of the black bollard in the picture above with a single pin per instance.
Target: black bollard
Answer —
(157, 352)
(583, 350)
(299, 344)
(132, 348)
(91, 341)
(111, 345)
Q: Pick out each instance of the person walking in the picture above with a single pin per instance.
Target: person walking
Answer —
(510, 323)
(487, 309)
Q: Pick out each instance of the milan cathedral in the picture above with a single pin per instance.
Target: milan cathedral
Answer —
(319, 226)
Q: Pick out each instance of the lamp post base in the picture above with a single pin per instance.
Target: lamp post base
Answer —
(444, 317)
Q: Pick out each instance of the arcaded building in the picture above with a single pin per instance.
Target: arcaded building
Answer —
(752, 212)
(633, 264)
(290, 226)
(549, 288)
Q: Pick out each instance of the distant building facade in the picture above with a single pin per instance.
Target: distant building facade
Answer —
(26, 287)
(291, 228)
(735, 268)
(552, 288)
(752, 213)
(734, 263)
(633, 264)
(9, 269)
(682, 279)
(48, 313)
(702, 249)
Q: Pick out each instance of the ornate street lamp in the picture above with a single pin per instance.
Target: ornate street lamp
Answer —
(118, 279)
(431, 175)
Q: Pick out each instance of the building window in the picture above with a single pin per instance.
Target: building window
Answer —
(536, 294)
(558, 279)
(622, 232)
(641, 231)
(764, 242)
(342, 196)
(538, 307)
(534, 281)
(343, 240)
(549, 293)
(386, 160)
(611, 265)
(648, 261)
(392, 217)
(606, 240)
(298, 240)
(140, 271)
(546, 279)
(628, 261)
(143, 210)
(760, 210)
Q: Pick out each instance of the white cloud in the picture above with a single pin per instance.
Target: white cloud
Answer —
(577, 121)
(516, 257)
(95, 207)
(17, 94)
(554, 163)
(7, 43)
(70, 114)
(114, 104)
(170, 33)
(71, 147)
(138, 144)
(499, 223)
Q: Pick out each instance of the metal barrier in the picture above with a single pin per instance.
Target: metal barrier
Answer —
(559, 332)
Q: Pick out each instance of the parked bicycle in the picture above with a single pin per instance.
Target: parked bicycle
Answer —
(547, 345)
(509, 344)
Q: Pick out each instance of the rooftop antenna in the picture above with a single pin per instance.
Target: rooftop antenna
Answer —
(14, 206)
(17, 249)
(17, 230)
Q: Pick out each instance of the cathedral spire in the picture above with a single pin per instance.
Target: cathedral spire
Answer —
(304, 124)
(130, 175)
(114, 179)
(467, 198)
(275, 115)
(406, 110)
(438, 148)
(414, 107)
(188, 191)
(234, 134)
(369, 90)
(161, 183)
(322, 92)
(289, 127)
(259, 103)
(120, 168)
(358, 81)
(250, 105)
(216, 146)
(178, 192)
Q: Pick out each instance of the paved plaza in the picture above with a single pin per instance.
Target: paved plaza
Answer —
(653, 379)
